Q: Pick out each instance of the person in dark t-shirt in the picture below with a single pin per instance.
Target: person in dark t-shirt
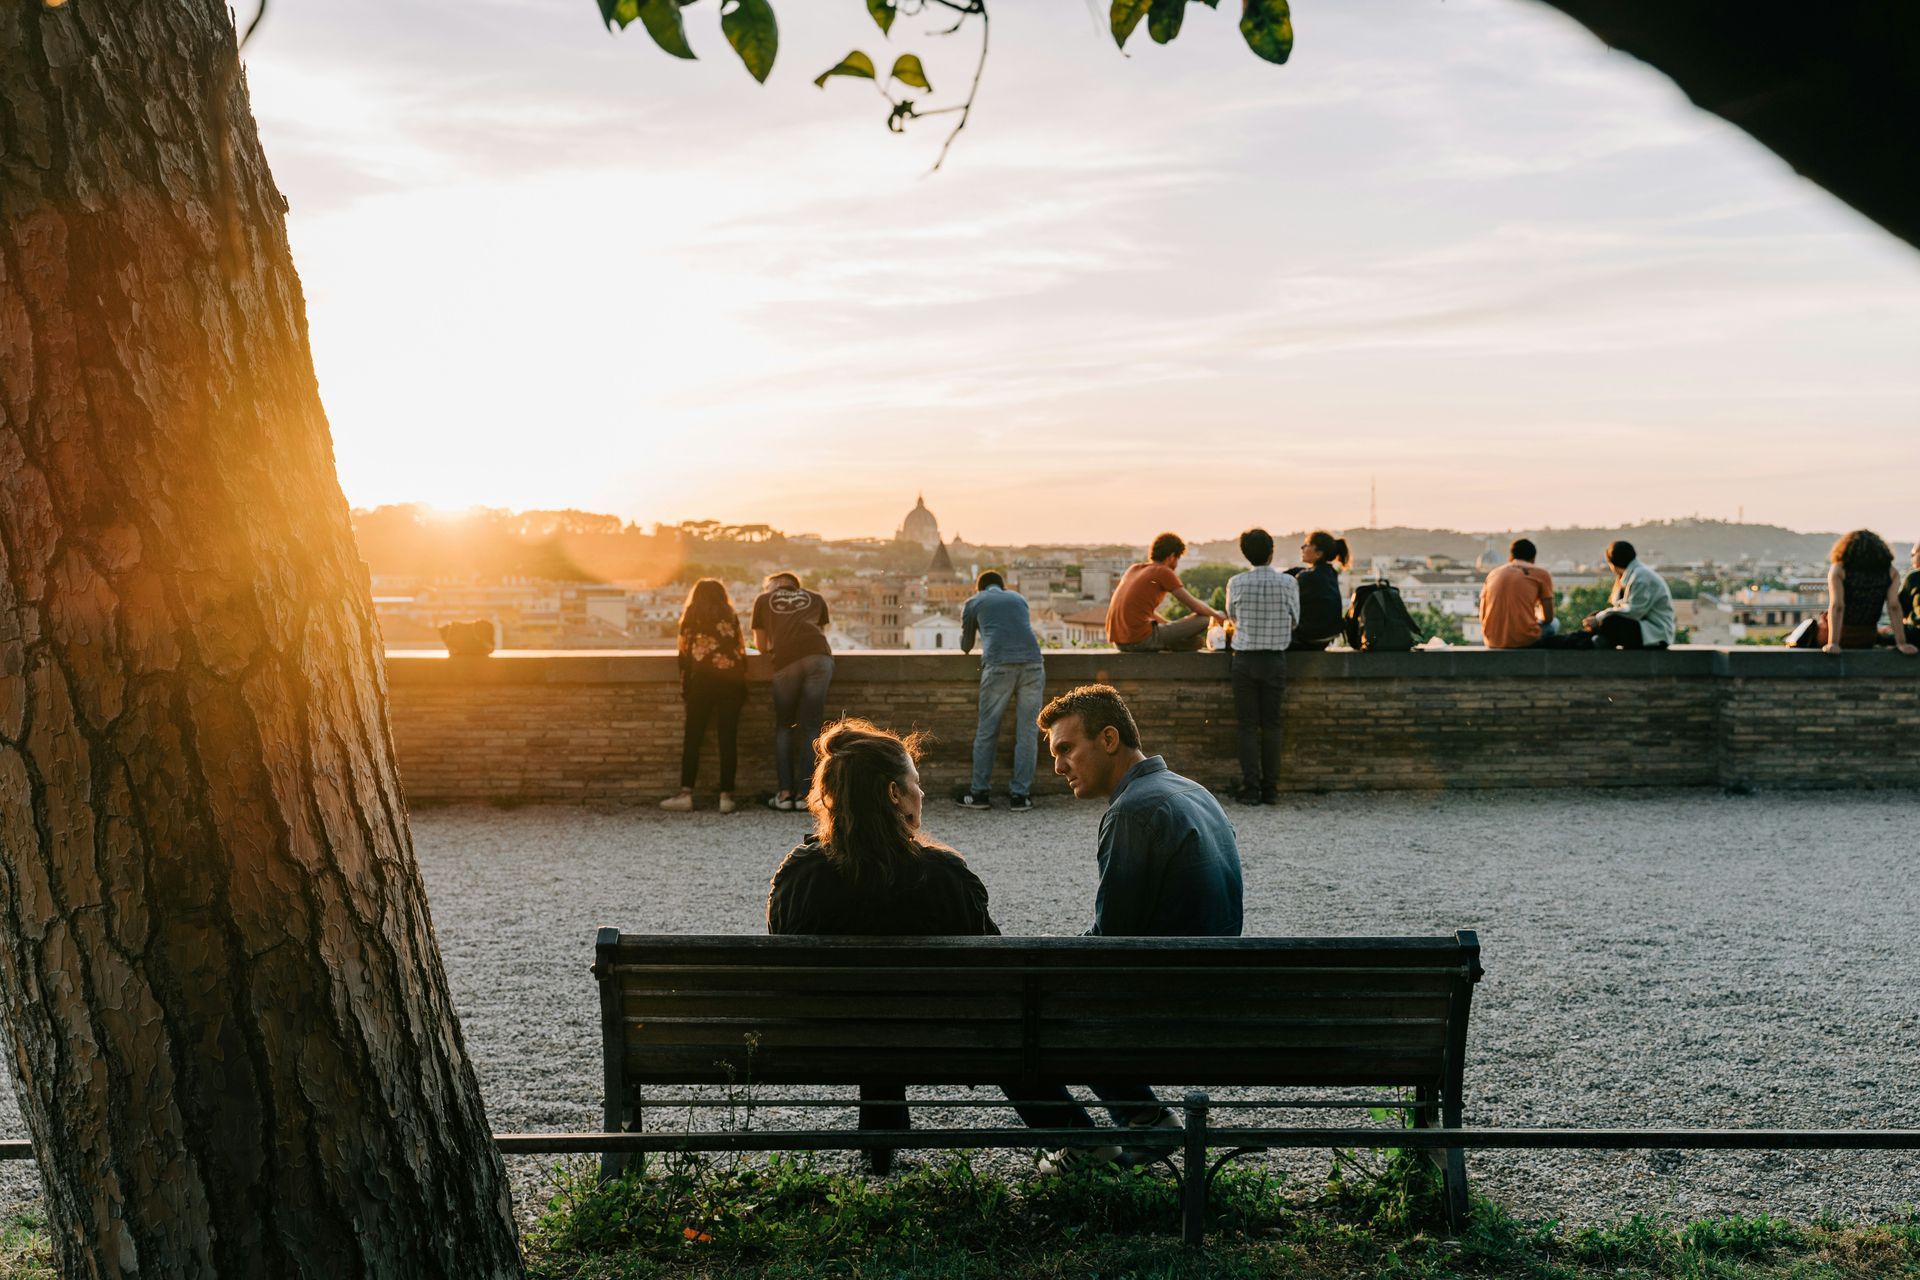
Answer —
(789, 625)
(869, 870)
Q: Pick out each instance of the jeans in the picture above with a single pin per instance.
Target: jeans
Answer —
(1618, 631)
(799, 704)
(1259, 696)
(1023, 684)
(1187, 635)
(717, 699)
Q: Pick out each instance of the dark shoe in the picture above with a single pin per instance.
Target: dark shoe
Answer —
(1249, 796)
(974, 800)
(1019, 804)
(1134, 1157)
(1269, 797)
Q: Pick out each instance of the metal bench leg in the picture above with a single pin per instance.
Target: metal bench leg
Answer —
(1453, 1171)
(1193, 1182)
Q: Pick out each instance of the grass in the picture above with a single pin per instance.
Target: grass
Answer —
(1370, 1218)
(786, 1218)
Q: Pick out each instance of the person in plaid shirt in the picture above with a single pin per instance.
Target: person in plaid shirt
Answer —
(1263, 605)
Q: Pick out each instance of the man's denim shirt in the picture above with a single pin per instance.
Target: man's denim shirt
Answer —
(1004, 619)
(1169, 862)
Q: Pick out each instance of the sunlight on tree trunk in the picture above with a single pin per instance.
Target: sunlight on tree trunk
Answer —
(233, 1040)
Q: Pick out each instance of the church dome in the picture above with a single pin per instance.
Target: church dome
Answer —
(920, 526)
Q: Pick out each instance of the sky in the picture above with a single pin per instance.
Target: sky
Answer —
(1455, 250)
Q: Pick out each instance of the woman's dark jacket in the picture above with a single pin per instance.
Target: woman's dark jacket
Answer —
(936, 895)
(1319, 601)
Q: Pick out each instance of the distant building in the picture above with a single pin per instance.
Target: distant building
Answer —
(920, 526)
(935, 631)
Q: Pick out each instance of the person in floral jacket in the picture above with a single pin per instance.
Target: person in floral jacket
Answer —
(713, 683)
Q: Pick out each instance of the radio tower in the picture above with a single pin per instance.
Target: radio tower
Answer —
(1373, 502)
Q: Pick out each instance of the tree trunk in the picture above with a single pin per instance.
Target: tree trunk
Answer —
(232, 1036)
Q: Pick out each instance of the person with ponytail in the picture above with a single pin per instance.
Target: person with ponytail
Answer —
(869, 870)
(1322, 556)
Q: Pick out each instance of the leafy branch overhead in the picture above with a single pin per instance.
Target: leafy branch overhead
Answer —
(1266, 25)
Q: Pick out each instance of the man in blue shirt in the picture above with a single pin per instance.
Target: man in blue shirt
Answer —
(1010, 671)
(1169, 863)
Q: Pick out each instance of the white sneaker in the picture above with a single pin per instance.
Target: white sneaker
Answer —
(682, 803)
(1074, 1159)
(726, 803)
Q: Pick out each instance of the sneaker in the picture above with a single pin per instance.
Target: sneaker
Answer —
(726, 803)
(682, 803)
(1137, 1156)
(1019, 804)
(1249, 796)
(974, 800)
(1074, 1159)
(781, 804)
(1269, 797)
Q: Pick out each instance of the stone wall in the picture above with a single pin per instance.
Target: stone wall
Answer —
(606, 726)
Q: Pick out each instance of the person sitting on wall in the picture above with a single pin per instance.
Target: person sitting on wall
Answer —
(1910, 598)
(1639, 612)
(1134, 624)
(1516, 603)
(1322, 556)
(1011, 670)
(1860, 582)
(1169, 867)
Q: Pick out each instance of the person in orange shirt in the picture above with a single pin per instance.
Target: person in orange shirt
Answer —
(1516, 604)
(1134, 624)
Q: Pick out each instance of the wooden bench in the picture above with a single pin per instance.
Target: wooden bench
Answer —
(757, 1015)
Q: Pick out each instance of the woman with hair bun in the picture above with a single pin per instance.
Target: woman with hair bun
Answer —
(1860, 581)
(868, 869)
(1322, 556)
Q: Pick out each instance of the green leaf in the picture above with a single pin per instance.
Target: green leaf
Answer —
(907, 70)
(662, 21)
(883, 12)
(620, 11)
(1125, 16)
(1268, 27)
(1163, 19)
(854, 64)
(750, 29)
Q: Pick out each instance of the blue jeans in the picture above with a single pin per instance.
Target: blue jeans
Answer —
(1023, 684)
(799, 704)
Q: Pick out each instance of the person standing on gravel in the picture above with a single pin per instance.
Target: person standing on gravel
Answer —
(1011, 670)
(789, 624)
(1169, 867)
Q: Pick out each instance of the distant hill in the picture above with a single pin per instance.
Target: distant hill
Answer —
(1661, 541)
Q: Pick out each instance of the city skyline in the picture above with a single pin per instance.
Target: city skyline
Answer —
(1462, 248)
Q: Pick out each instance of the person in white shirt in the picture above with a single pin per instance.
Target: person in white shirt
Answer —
(1263, 607)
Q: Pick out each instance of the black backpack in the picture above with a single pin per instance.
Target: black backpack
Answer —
(1378, 620)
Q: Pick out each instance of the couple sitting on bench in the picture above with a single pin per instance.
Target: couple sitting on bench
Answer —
(1168, 860)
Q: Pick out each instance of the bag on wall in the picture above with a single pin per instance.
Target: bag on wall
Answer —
(1378, 620)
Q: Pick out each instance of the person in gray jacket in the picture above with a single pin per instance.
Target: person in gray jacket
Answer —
(1639, 612)
(1011, 670)
(1169, 867)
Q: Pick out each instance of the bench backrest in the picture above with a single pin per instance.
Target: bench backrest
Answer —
(1273, 1011)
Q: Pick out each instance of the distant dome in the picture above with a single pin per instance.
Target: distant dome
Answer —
(920, 526)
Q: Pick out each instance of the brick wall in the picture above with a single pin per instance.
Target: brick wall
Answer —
(607, 726)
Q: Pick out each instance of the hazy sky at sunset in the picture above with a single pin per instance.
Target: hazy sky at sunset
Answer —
(1456, 246)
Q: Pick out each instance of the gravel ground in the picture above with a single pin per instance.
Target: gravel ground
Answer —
(1652, 958)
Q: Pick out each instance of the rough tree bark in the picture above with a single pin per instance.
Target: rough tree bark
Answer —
(232, 1035)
